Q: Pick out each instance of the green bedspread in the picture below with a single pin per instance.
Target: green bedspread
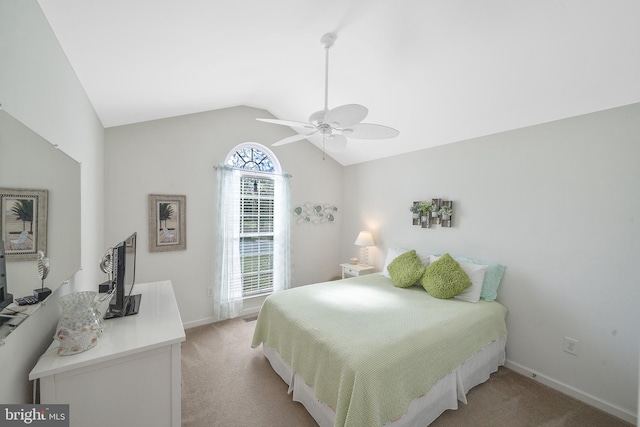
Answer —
(368, 348)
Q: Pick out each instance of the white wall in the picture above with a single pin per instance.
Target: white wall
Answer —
(39, 88)
(558, 205)
(177, 156)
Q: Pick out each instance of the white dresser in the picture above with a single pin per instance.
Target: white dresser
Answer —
(132, 377)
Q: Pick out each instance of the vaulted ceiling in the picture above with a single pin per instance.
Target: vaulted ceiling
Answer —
(438, 71)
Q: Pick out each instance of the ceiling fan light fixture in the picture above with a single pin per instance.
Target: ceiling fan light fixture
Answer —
(333, 124)
(336, 143)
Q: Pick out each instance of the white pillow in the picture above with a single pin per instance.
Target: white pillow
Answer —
(424, 259)
(476, 274)
(392, 254)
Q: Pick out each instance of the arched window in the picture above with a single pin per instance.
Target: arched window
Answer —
(253, 228)
(253, 157)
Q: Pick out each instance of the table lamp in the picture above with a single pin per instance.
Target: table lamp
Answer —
(364, 240)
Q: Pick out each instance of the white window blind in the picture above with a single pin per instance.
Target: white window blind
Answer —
(256, 234)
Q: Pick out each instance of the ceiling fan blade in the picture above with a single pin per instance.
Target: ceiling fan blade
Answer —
(370, 131)
(290, 139)
(336, 143)
(289, 123)
(317, 117)
(346, 116)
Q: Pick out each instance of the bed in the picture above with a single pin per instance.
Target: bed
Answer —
(363, 352)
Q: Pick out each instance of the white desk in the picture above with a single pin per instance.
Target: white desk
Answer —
(132, 377)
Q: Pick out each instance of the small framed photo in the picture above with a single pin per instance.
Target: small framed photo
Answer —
(23, 226)
(167, 223)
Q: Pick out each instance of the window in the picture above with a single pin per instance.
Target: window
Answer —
(253, 256)
(251, 158)
(256, 234)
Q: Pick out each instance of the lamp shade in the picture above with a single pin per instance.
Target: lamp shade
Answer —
(365, 239)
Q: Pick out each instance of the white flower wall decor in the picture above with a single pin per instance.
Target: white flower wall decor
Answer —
(315, 213)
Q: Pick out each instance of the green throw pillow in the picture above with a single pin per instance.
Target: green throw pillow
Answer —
(406, 269)
(445, 278)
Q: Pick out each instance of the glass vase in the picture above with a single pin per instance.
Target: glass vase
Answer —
(80, 324)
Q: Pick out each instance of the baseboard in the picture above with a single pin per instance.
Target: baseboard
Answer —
(200, 322)
(208, 320)
(573, 392)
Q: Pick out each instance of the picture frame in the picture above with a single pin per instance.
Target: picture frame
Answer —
(23, 223)
(167, 223)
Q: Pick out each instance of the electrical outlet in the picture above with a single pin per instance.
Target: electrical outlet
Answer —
(571, 345)
(209, 291)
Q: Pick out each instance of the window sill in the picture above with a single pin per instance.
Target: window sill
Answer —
(250, 297)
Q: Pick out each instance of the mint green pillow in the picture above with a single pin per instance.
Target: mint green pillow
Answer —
(445, 278)
(492, 277)
(406, 269)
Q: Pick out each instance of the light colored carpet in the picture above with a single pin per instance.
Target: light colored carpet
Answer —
(226, 383)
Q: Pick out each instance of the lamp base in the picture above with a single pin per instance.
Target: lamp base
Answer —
(364, 255)
(42, 293)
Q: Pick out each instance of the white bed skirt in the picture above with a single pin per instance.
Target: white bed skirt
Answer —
(422, 411)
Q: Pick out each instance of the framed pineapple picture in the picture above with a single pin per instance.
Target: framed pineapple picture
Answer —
(23, 223)
(167, 223)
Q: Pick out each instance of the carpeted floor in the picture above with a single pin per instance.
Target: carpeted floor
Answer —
(226, 383)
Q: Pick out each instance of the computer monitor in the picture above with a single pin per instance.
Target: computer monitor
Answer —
(5, 297)
(123, 302)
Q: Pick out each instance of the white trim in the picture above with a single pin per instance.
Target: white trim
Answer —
(596, 402)
(263, 295)
(196, 323)
(211, 319)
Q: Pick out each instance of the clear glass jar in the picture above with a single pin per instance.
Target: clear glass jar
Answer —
(80, 324)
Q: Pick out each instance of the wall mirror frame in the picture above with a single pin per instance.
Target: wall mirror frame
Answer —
(30, 162)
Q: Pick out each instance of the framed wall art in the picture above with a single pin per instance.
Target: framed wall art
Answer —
(167, 223)
(23, 226)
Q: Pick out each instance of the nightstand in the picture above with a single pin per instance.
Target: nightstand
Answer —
(355, 270)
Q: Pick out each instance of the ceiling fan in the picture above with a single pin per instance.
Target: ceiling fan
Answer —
(335, 124)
